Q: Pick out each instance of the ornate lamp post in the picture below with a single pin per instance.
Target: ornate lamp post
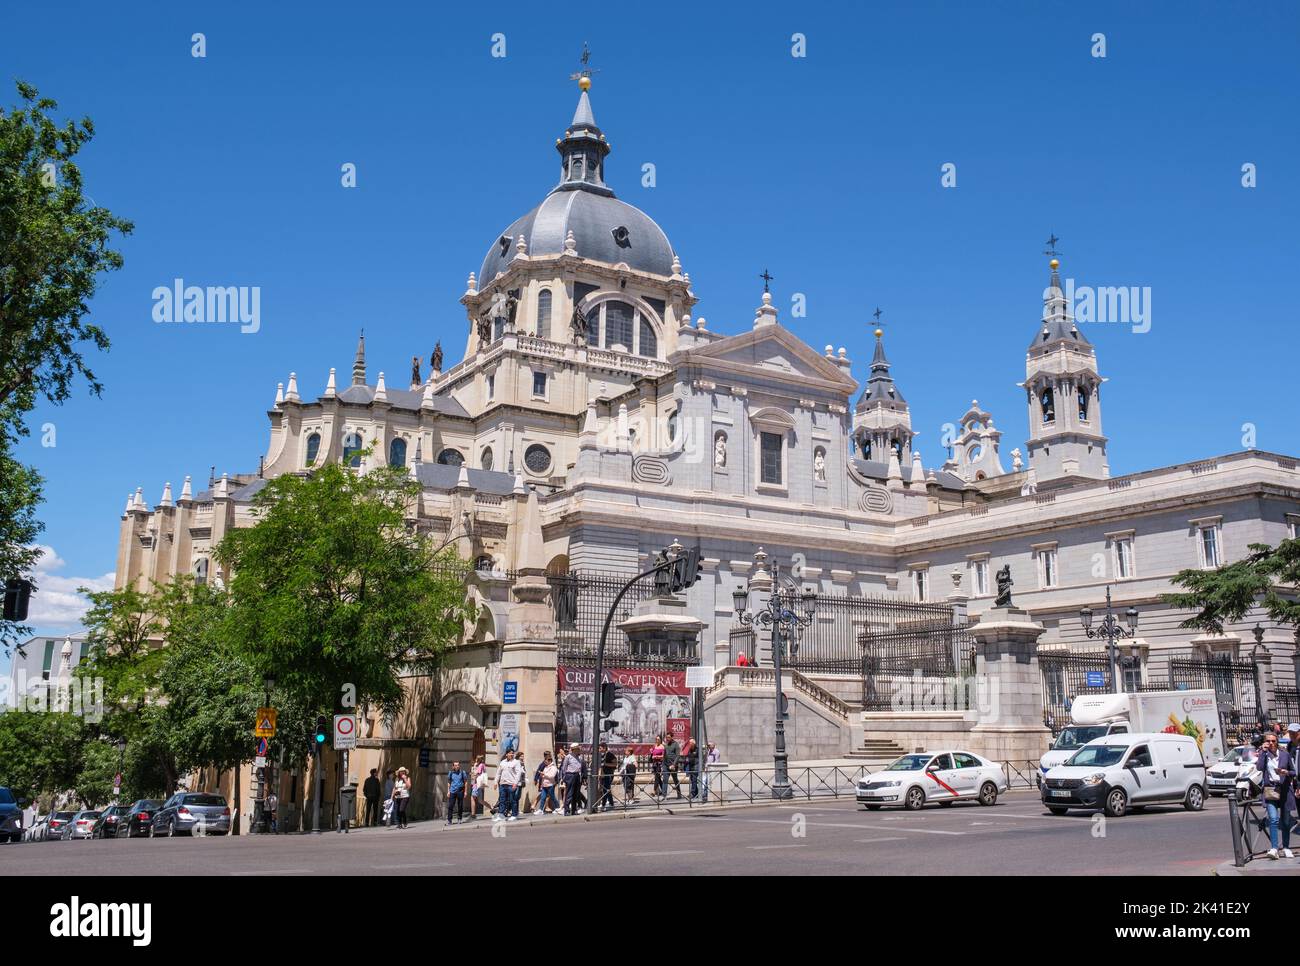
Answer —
(785, 625)
(1110, 630)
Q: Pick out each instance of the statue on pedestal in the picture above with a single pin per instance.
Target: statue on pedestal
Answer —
(1004, 587)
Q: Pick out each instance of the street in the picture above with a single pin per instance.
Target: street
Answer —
(822, 837)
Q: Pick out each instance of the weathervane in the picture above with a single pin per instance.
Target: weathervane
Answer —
(767, 280)
(1051, 246)
(586, 70)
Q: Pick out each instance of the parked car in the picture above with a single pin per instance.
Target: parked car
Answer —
(81, 824)
(107, 824)
(940, 776)
(1221, 778)
(138, 820)
(11, 816)
(36, 831)
(186, 812)
(1117, 773)
(57, 823)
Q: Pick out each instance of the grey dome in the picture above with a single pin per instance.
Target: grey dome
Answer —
(593, 219)
(604, 228)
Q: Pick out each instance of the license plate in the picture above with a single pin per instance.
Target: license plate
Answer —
(1060, 793)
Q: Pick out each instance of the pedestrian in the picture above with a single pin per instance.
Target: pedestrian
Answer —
(457, 782)
(1277, 773)
(546, 786)
(657, 768)
(711, 757)
(572, 775)
(608, 762)
(388, 798)
(510, 776)
(672, 764)
(691, 756)
(371, 791)
(270, 806)
(629, 776)
(480, 787)
(401, 797)
(742, 660)
(560, 754)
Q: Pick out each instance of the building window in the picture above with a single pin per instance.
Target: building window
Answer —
(313, 449)
(485, 458)
(49, 658)
(492, 385)
(451, 457)
(649, 341)
(397, 453)
(544, 314)
(539, 384)
(201, 570)
(672, 424)
(1083, 404)
(1048, 403)
(1047, 572)
(770, 458)
(351, 449)
(1123, 557)
(1293, 525)
(979, 578)
(1132, 678)
(921, 584)
(1211, 556)
(618, 326)
(537, 458)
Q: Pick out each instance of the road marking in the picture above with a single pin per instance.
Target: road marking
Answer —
(640, 855)
(415, 865)
(552, 858)
(893, 838)
(900, 828)
(868, 828)
(760, 848)
(276, 872)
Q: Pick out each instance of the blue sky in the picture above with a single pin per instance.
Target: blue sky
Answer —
(824, 169)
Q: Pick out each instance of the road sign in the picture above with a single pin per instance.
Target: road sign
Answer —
(424, 757)
(259, 762)
(510, 692)
(1095, 679)
(262, 746)
(264, 727)
(117, 781)
(345, 731)
(699, 677)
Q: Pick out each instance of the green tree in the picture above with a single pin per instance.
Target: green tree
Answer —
(334, 589)
(1268, 577)
(40, 751)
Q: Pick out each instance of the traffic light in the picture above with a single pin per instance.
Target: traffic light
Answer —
(686, 570)
(322, 730)
(608, 696)
(17, 594)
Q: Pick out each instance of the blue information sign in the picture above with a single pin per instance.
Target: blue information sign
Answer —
(510, 692)
(1096, 679)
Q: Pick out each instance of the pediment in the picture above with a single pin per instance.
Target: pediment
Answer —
(773, 349)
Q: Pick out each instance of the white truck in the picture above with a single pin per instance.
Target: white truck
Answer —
(1191, 713)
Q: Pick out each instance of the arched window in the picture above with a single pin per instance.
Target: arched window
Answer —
(1083, 403)
(351, 446)
(898, 447)
(485, 458)
(397, 453)
(451, 457)
(544, 314)
(1048, 403)
(618, 325)
(201, 570)
(313, 449)
(866, 447)
(649, 341)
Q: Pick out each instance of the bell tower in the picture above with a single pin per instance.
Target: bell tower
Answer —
(1063, 392)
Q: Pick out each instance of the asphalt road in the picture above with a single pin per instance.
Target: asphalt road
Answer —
(1016, 836)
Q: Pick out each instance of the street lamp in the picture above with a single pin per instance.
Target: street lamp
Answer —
(1110, 630)
(785, 625)
(259, 806)
(121, 757)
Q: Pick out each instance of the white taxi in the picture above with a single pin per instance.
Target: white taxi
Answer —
(1221, 778)
(934, 776)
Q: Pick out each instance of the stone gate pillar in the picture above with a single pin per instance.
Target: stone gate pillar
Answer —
(1009, 693)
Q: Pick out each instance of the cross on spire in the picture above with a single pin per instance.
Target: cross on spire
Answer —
(877, 314)
(585, 70)
(767, 280)
(1051, 245)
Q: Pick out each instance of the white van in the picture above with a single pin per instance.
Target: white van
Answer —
(1118, 772)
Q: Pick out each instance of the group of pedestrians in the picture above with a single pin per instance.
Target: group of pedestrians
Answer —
(1278, 762)
(386, 803)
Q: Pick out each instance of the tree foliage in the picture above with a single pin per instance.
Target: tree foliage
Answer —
(333, 590)
(1268, 577)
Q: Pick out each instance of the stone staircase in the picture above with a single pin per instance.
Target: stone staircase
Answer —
(877, 751)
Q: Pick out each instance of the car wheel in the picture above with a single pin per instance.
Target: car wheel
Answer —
(1057, 809)
(915, 798)
(988, 794)
(1116, 803)
(171, 829)
(1195, 799)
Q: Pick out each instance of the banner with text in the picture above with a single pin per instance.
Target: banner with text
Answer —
(650, 703)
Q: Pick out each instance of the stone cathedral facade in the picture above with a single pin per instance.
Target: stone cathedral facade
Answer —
(592, 419)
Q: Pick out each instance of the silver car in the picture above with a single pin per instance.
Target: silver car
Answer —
(192, 813)
(81, 825)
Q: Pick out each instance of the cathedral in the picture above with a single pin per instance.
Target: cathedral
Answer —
(592, 420)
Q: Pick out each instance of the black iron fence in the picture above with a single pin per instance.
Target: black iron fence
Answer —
(580, 602)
